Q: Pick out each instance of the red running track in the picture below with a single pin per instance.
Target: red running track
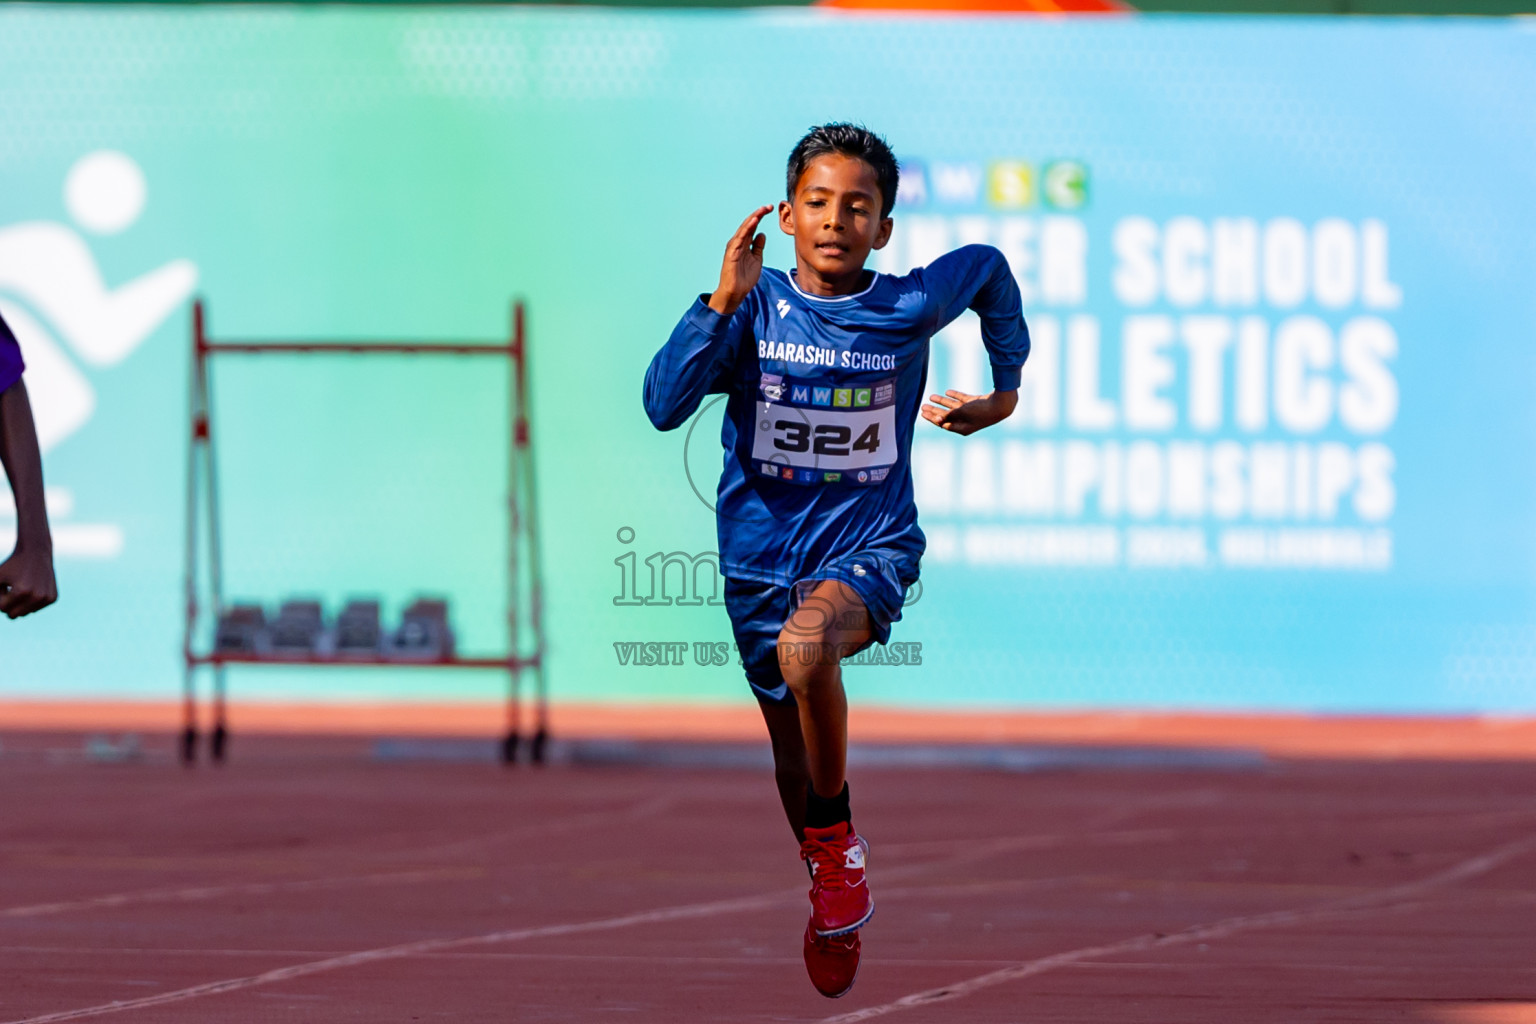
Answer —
(307, 883)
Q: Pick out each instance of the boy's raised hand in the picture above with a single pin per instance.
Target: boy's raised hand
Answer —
(742, 265)
(960, 413)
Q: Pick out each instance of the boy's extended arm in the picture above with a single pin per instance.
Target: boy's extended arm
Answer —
(26, 578)
(977, 277)
(700, 351)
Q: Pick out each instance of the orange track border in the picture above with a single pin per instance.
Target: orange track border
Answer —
(1280, 735)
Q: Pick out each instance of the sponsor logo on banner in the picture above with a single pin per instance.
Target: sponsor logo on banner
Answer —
(959, 184)
(912, 185)
(1011, 184)
(799, 394)
(1005, 184)
(842, 397)
(861, 396)
(821, 396)
(1065, 184)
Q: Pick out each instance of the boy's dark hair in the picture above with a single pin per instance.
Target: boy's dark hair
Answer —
(850, 140)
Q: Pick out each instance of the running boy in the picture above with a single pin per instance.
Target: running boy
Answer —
(824, 369)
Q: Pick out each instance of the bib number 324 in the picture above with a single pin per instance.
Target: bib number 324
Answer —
(812, 443)
(799, 436)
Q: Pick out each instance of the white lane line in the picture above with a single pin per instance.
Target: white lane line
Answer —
(81, 951)
(194, 893)
(433, 946)
(637, 812)
(743, 959)
(1186, 833)
(1380, 900)
(1470, 868)
(690, 911)
(986, 849)
(650, 808)
(1093, 828)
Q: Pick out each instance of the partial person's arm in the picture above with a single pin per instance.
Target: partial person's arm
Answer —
(26, 578)
(977, 277)
(703, 345)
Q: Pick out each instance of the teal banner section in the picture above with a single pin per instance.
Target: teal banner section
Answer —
(1274, 444)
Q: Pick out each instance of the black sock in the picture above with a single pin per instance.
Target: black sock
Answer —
(824, 812)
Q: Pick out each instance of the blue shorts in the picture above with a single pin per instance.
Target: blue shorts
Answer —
(758, 611)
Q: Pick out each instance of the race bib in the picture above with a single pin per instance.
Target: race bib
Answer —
(808, 432)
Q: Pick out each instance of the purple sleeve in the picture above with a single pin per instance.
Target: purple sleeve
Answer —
(10, 357)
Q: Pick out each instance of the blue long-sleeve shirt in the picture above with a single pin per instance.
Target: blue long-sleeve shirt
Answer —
(823, 394)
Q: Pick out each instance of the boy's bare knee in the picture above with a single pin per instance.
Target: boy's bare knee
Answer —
(798, 681)
(805, 652)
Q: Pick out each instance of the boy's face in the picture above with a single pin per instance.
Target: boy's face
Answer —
(835, 216)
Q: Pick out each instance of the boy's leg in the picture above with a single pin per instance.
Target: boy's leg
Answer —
(758, 611)
(830, 622)
(791, 769)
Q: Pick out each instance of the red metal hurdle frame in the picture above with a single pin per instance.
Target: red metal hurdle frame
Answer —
(202, 491)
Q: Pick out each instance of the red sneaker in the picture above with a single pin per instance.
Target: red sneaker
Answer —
(840, 901)
(831, 961)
